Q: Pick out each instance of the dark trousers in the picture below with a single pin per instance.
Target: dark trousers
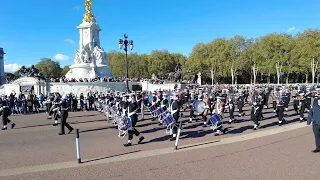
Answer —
(240, 106)
(231, 111)
(175, 126)
(295, 105)
(90, 106)
(308, 103)
(302, 111)
(5, 115)
(316, 132)
(81, 104)
(255, 115)
(64, 116)
(274, 104)
(280, 113)
(134, 131)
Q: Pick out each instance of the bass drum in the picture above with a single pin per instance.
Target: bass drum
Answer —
(198, 106)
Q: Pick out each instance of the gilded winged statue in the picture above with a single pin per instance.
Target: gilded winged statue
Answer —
(88, 15)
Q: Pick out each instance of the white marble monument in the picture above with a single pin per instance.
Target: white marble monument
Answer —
(91, 60)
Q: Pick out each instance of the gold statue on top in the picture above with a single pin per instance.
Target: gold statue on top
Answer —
(88, 15)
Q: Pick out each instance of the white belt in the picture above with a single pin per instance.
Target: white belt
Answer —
(132, 113)
(174, 111)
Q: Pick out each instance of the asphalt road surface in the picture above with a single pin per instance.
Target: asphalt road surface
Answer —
(34, 150)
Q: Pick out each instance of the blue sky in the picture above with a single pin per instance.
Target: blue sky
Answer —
(34, 29)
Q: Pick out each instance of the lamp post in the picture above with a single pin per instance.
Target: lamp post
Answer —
(125, 43)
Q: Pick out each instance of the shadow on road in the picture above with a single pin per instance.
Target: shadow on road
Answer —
(195, 145)
(84, 115)
(92, 160)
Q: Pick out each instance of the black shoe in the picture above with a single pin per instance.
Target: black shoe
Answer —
(316, 151)
(225, 131)
(70, 131)
(55, 124)
(217, 134)
(5, 128)
(127, 145)
(61, 133)
(13, 125)
(204, 125)
(173, 139)
(140, 140)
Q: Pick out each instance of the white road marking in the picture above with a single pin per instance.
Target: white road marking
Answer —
(149, 153)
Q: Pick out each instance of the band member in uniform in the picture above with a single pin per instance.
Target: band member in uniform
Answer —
(267, 95)
(280, 112)
(302, 106)
(241, 101)
(287, 99)
(231, 109)
(132, 114)
(308, 99)
(262, 98)
(186, 99)
(295, 102)
(275, 99)
(255, 112)
(64, 116)
(53, 110)
(206, 100)
(219, 107)
(175, 112)
(6, 112)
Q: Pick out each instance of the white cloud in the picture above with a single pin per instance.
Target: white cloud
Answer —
(69, 41)
(11, 68)
(291, 29)
(61, 57)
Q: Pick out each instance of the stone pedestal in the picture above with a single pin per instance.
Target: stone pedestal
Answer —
(2, 78)
(91, 60)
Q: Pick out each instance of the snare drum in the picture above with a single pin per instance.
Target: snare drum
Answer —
(215, 119)
(168, 119)
(159, 111)
(152, 108)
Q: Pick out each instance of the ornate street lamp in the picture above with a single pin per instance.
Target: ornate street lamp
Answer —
(125, 43)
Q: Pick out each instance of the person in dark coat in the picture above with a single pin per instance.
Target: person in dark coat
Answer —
(6, 112)
(314, 118)
(133, 117)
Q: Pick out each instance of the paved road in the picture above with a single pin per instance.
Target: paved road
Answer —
(33, 150)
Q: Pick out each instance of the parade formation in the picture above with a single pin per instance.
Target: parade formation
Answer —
(209, 104)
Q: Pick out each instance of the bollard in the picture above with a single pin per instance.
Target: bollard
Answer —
(78, 146)
(142, 109)
(178, 135)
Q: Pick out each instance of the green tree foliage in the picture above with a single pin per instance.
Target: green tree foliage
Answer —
(50, 69)
(141, 66)
(64, 70)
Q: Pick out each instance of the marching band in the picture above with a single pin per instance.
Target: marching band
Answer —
(210, 105)
(207, 103)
